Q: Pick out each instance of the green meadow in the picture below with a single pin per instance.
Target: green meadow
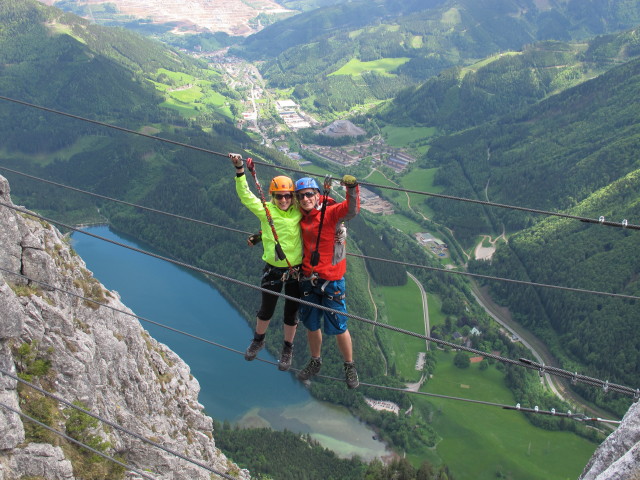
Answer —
(403, 309)
(403, 223)
(378, 178)
(404, 136)
(383, 66)
(189, 95)
(485, 62)
(478, 442)
(421, 180)
(483, 442)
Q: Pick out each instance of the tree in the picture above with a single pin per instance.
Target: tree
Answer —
(461, 360)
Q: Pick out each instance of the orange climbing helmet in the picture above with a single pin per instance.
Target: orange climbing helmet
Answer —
(281, 184)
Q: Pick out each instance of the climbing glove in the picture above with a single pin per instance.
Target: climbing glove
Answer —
(236, 159)
(349, 181)
(254, 239)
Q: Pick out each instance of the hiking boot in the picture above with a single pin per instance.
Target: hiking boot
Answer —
(350, 375)
(312, 368)
(253, 350)
(285, 358)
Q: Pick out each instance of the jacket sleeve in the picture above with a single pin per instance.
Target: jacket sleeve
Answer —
(347, 209)
(353, 202)
(248, 198)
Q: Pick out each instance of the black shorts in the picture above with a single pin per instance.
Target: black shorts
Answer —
(272, 280)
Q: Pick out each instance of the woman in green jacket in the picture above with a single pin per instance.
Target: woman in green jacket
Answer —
(277, 273)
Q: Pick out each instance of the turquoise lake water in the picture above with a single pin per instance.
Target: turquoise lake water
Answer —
(245, 393)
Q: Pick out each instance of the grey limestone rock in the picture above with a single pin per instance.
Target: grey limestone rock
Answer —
(618, 457)
(100, 356)
(41, 460)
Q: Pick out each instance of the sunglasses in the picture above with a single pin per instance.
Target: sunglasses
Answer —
(280, 196)
(305, 194)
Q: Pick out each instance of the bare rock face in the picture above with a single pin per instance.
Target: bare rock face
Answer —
(618, 457)
(97, 355)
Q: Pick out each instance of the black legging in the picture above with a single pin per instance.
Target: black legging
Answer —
(272, 280)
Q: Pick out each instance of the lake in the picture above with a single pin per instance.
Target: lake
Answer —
(250, 394)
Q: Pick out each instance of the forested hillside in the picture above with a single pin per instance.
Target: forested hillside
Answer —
(460, 98)
(175, 179)
(424, 38)
(574, 152)
(63, 62)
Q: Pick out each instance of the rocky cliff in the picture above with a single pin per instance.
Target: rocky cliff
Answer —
(618, 458)
(82, 352)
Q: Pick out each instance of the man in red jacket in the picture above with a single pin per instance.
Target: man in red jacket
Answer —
(324, 265)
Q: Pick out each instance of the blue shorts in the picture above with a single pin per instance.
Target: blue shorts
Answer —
(327, 294)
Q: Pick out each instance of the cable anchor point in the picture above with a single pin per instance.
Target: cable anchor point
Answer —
(601, 220)
(605, 387)
(625, 223)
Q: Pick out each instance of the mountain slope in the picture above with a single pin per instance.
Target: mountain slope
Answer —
(307, 52)
(464, 97)
(573, 152)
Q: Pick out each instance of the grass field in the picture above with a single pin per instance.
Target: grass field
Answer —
(383, 66)
(404, 310)
(379, 179)
(486, 61)
(182, 109)
(478, 442)
(483, 442)
(404, 224)
(404, 136)
(186, 90)
(421, 180)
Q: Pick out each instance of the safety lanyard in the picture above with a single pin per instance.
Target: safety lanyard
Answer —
(279, 251)
(315, 255)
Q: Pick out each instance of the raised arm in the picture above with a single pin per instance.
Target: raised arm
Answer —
(353, 196)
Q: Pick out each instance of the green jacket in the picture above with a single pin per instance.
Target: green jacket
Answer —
(287, 225)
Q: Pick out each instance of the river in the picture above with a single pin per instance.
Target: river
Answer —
(245, 393)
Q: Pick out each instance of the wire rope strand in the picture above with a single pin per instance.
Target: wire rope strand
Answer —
(619, 388)
(599, 221)
(383, 387)
(77, 442)
(355, 255)
(116, 426)
(489, 277)
(111, 199)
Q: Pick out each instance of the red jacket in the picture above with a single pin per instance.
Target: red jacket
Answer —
(332, 247)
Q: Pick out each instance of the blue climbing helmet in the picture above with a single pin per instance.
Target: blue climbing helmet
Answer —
(306, 182)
